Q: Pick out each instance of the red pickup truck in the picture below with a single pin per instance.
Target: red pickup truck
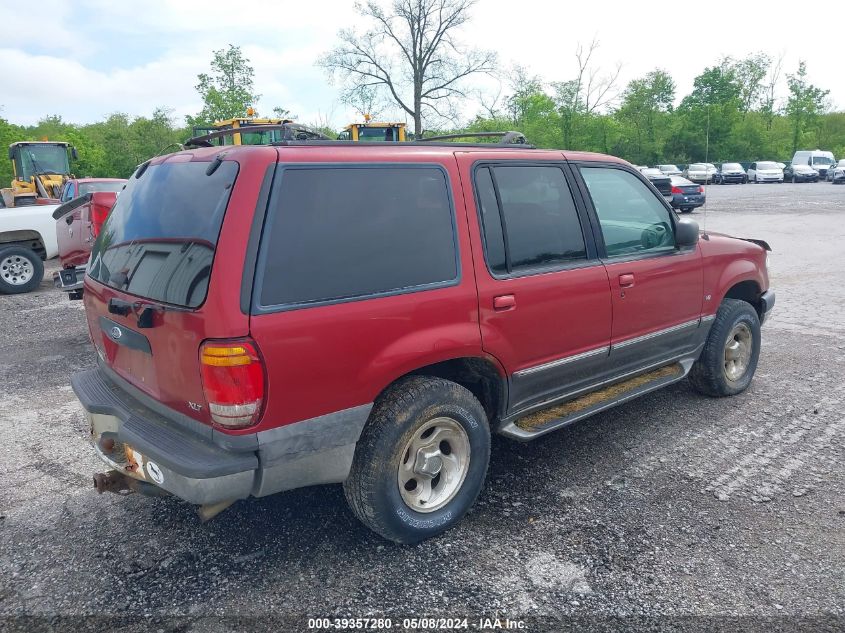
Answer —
(87, 203)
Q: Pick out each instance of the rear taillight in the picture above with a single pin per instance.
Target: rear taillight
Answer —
(676, 190)
(701, 190)
(99, 213)
(233, 382)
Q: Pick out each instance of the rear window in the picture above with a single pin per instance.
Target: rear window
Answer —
(341, 233)
(158, 242)
(94, 187)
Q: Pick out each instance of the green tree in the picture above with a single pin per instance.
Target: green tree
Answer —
(228, 90)
(645, 103)
(806, 102)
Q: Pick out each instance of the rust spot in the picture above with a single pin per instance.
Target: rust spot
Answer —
(541, 418)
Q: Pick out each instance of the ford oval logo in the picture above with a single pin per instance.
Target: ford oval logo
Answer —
(116, 332)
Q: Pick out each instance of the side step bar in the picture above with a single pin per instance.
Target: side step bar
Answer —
(544, 421)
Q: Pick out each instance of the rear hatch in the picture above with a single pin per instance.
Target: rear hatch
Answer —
(150, 295)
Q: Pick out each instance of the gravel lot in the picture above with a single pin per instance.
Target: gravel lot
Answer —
(672, 505)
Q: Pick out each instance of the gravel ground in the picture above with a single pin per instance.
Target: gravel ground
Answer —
(675, 509)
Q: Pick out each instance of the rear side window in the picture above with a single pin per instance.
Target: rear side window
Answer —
(159, 239)
(340, 233)
(528, 217)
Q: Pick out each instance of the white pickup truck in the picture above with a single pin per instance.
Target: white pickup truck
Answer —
(27, 238)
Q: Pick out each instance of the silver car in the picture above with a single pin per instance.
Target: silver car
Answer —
(836, 174)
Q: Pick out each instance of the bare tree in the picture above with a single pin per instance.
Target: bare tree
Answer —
(768, 108)
(589, 92)
(410, 53)
(365, 100)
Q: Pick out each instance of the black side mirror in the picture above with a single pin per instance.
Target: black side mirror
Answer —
(73, 153)
(686, 233)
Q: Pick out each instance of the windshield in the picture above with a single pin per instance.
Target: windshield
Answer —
(698, 167)
(159, 240)
(92, 187)
(376, 134)
(42, 159)
(822, 160)
(735, 166)
(767, 166)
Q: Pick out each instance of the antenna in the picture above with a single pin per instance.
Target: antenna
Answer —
(706, 162)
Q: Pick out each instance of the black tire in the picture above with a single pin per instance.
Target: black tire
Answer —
(709, 375)
(686, 209)
(19, 254)
(372, 488)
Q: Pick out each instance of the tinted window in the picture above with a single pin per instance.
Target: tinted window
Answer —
(345, 232)
(159, 239)
(632, 218)
(491, 222)
(541, 226)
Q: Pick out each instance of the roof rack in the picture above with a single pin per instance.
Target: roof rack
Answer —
(507, 138)
(292, 132)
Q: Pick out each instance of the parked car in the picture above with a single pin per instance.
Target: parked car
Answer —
(76, 187)
(818, 160)
(765, 171)
(78, 223)
(661, 181)
(838, 172)
(701, 172)
(800, 173)
(27, 238)
(686, 195)
(670, 170)
(275, 317)
(731, 173)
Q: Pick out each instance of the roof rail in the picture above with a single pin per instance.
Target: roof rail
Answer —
(292, 132)
(506, 138)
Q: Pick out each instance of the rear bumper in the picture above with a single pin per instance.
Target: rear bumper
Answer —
(203, 466)
(69, 279)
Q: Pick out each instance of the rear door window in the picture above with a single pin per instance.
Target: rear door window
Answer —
(528, 217)
(337, 233)
(159, 239)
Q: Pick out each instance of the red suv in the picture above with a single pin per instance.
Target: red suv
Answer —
(272, 317)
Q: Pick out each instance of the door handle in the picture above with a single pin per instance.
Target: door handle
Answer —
(626, 281)
(504, 302)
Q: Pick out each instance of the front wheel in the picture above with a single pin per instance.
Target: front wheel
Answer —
(729, 358)
(421, 460)
(21, 270)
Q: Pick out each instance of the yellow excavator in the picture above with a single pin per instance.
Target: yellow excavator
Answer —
(41, 169)
(370, 131)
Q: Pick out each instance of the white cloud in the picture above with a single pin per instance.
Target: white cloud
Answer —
(94, 57)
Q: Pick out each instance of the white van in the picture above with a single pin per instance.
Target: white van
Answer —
(817, 159)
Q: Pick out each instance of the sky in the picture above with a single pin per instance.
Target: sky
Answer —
(89, 58)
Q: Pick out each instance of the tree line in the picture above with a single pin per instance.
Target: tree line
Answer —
(409, 59)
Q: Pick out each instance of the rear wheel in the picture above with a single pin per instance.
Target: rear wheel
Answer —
(421, 460)
(729, 358)
(21, 270)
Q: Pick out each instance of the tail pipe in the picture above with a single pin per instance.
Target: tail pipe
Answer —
(118, 483)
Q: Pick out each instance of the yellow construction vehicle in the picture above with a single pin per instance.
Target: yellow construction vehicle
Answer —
(40, 170)
(371, 131)
(253, 137)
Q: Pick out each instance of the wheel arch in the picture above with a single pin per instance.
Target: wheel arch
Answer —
(30, 239)
(482, 376)
(747, 290)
